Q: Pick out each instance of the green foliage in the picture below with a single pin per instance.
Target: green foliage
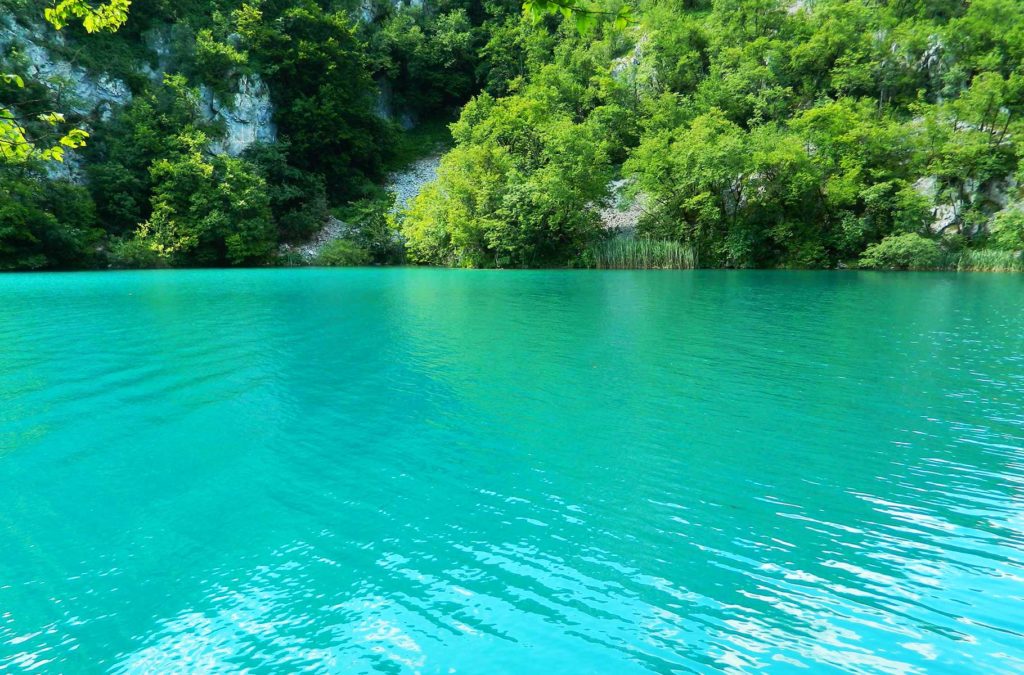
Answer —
(373, 229)
(217, 62)
(134, 253)
(320, 78)
(584, 16)
(692, 174)
(152, 127)
(985, 260)
(518, 190)
(44, 224)
(208, 211)
(513, 48)
(797, 138)
(342, 253)
(298, 201)
(17, 144)
(760, 133)
(908, 251)
(1008, 230)
(427, 59)
(105, 16)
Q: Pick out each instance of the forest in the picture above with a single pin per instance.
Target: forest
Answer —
(724, 133)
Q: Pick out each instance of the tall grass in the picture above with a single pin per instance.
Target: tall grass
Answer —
(984, 260)
(631, 253)
(625, 252)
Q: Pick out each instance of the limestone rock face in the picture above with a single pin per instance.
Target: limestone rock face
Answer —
(248, 118)
(622, 212)
(384, 107)
(635, 68)
(994, 195)
(81, 92)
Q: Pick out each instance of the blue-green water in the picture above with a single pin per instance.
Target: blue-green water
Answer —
(527, 472)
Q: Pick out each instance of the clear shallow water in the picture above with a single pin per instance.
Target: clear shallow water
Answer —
(438, 471)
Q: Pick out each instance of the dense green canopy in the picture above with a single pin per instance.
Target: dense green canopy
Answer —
(752, 132)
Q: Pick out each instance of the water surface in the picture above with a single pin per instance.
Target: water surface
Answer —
(446, 471)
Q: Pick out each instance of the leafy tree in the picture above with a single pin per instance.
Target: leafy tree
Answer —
(969, 147)
(989, 36)
(298, 201)
(514, 47)
(217, 62)
(520, 189)
(679, 47)
(44, 223)
(692, 176)
(208, 211)
(150, 128)
(908, 251)
(426, 59)
(16, 143)
(1008, 229)
(325, 97)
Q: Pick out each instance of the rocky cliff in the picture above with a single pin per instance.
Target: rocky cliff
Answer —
(245, 115)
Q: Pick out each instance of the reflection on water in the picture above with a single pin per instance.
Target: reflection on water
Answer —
(445, 471)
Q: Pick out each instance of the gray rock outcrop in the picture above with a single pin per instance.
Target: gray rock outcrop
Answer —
(946, 212)
(79, 91)
(247, 118)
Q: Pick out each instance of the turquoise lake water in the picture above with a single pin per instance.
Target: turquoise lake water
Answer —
(438, 471)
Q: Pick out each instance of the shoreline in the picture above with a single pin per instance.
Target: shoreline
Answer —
(846, 270)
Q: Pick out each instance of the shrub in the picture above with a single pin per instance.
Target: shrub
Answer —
(134, 253)
(520, 189)
(45, 224)
(342, 253)
(209, 211)
(373, 229)
(298, 201)
(909, 251)
(1008, 230)
(217, 62)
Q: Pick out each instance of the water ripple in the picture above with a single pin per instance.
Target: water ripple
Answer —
(448, 471)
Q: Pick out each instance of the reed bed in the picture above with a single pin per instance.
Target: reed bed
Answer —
(985, 260)
(640, 253)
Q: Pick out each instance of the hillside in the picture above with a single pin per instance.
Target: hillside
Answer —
(732, 133)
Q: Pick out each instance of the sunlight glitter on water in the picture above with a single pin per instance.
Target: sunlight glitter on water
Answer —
(446, 471)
